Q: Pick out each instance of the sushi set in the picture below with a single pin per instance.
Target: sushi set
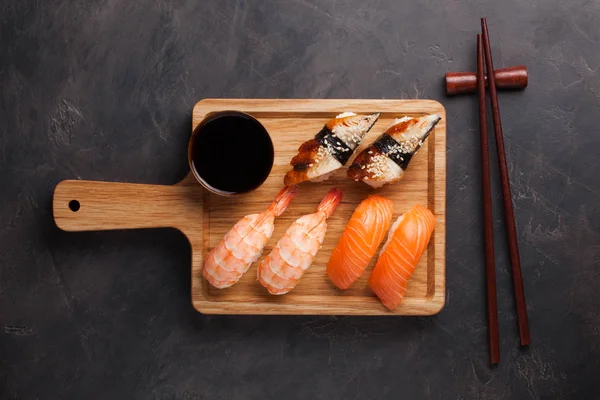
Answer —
(334, 207)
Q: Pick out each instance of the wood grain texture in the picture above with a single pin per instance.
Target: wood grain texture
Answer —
(205, 217)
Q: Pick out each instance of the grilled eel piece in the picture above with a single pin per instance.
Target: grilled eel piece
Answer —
(386, 159)
(330, 149)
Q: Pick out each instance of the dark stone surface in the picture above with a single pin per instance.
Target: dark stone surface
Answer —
(103, 90)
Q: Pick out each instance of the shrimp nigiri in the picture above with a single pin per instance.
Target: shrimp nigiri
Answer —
(282, 269)
(244, 243)
(407, 240)
(360, 240)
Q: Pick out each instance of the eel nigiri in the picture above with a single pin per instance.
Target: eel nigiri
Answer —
(330, 149)
(407, 240)
(359, 242)
(244, 243)
(282, 269)
(386, 159)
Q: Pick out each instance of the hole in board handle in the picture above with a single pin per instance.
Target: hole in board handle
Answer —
(74, 205)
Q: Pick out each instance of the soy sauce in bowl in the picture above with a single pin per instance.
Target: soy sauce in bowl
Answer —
(230, 152)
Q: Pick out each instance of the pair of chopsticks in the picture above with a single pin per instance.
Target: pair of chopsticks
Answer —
(483, 47)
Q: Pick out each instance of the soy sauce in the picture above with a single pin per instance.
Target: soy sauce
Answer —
(231, 152)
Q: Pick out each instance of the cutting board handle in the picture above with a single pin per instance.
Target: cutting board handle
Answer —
(92, 205)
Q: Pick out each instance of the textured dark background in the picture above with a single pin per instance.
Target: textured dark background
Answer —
(104, 90)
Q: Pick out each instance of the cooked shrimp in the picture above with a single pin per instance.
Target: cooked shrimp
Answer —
(282, 269)
(244, 243)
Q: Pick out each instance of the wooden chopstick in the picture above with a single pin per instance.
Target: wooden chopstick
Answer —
(509, 215)
(490, 267)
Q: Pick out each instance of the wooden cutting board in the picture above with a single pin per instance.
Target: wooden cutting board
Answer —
(204, 217)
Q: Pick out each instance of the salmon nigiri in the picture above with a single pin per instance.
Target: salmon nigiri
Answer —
(407, 240)
(360, 240)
